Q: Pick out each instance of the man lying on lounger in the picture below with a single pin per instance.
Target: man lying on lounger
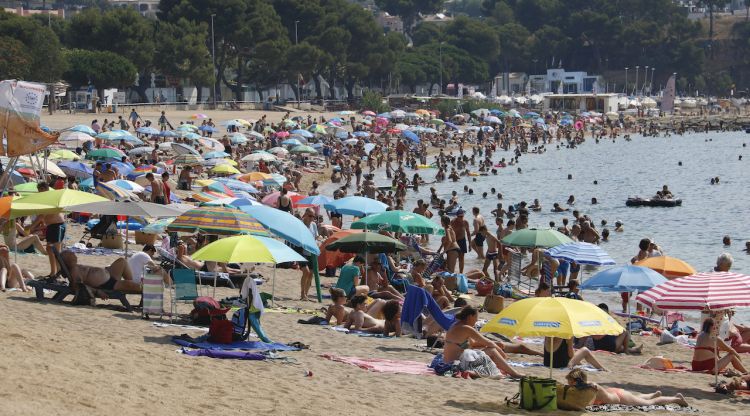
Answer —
(117, 276)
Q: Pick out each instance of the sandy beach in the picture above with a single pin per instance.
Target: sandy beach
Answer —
(73, 360)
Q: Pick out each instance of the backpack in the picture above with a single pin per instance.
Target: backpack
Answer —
(240, 327)
(204, 308)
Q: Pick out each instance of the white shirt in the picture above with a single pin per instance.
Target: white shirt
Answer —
(137, 263)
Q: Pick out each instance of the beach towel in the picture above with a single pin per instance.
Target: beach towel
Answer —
(238, 345)
(356, 332)
(188, 327)
(621, 408)
(250, 287)
(416, 301)
(153, 294)
(380, 365)
(525, 364)
(224, 354)
(675, 369)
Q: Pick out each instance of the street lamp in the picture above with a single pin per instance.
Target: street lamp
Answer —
(296, 42)
(635, 87)
(651, 84)
(213, 59)
(645, 80)
(625, 90)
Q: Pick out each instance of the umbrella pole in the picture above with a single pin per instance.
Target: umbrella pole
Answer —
(551, 339)
(127, 224)
(273, 286)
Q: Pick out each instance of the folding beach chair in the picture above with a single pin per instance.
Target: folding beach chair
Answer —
(153, 295)
(434, 266)
(185, 289)
(169, 262)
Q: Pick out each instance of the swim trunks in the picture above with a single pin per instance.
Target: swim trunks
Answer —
(55, 233)
(479, 240)
(492, 255)
(109, 284)
(462, 245)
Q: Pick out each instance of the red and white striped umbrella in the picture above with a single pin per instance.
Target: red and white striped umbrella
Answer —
(714, 291)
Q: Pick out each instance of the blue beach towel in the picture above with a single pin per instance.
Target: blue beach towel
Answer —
(224, 354)
(417, 300)
(238, 345)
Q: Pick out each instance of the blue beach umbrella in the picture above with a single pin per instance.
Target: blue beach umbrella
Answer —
(236, 185)
(410, 135)
(207, 128)
(216, 155)
(581, 253)
(147, 130)
(82, 128)
(627, 278)
(284, 225)
(291, 142)
(304, 133)
(358, 206)
(76, 169)
(316, 200)
(361, 134)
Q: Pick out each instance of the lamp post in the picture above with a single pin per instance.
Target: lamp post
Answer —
(441, 66)
(651, 84)
(645, 81)
(625, 90)
(213, 60)
(299, 91)
(635, 87)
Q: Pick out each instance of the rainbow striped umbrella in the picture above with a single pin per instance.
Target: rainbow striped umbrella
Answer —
(217, 220)
(115, 193)
(208, 196)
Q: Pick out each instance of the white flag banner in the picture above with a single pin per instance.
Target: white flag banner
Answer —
(20, 107)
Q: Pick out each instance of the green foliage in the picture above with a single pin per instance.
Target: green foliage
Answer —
(40, 43)
(409, 10)
(182, 51)
(104, 69)
(15, 61)
(373, 101)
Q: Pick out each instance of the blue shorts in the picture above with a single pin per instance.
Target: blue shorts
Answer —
(462, 245)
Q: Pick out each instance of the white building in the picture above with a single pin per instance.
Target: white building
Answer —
(602, 103)
(147, 8)
(556, 80)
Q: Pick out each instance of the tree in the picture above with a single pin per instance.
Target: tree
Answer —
(474, 37)
(182, 51)
(15, 61)
(710, 5)
(409, 10)
(103, 69)
(427, 32)
(40, 43)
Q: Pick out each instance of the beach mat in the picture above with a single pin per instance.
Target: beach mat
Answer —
(380, 365)
(621, 408)
(237, 345)
(224, 354)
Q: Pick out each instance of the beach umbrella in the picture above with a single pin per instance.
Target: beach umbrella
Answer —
(183, 149)
(410, 135)
(187, 127)
(272, 198)
(198, 116)
(361, 134)
(627, 278)
(247, 249)
(139, 209)
(304, 133)
(284, 225)
(189, 135)
(63, 154)
(168, 133)
(82, 128)
(255, 176)
(238, 138)
(369, 113)
(303, 149)
(26, 188)
(226, 169)
(217, 220)
(216, 162)
(274, 180)
(351, 141)
(74, 138)
(207, 129)
(670, 267)
(234, 202)
(334, 258)
(216, 155)
(399, 222)
(366, 242)
(210, 143)
(147, 130)
(208, 196)
(552, 317)
(157, 226)
(314, 200)
(291, 142)
(188, 159)
(533, 237)
(398, 113)
(104, 153)
(581, 253)
(57, 200)
(127, 185)
(278, 151)
(257, 157)
(115, 193)
(236, 185)
(76, 169)
(359, 206)
(492, 119)
(451, 126)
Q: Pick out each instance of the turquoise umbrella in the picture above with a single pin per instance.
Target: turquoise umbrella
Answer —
(399, 222)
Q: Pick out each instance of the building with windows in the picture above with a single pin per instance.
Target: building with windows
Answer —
(556, 80)
(147, 8)
(602, 103)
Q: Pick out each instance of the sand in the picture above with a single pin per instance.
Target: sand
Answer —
(62, 359)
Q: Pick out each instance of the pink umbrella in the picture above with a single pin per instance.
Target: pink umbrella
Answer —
(272, 198)
(381, 120)
(368, 113)
(282, 134)
(714, 291)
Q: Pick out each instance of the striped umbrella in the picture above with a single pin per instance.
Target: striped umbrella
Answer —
(208, 196)
(188, 159)
(115, 193)
(581, 253)
(217, 220)
(714, 291)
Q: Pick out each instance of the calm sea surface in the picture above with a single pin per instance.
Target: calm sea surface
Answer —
(692, 232)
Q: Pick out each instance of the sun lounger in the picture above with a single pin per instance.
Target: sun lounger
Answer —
(64, 272)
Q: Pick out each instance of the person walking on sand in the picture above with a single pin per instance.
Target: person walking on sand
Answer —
(477, 243)
(54, 233)
(463, 235)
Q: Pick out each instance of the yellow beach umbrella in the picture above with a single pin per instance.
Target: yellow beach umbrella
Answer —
(255, 176)
(204, 182)
(52, 201)
(63, 154)
(225, 168)
(552, 317)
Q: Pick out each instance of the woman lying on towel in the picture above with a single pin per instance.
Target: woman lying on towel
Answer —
(611, 395)
(476, 355)
(339, 311)
(360, 318)
(705, 355)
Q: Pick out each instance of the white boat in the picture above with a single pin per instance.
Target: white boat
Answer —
(648, 102)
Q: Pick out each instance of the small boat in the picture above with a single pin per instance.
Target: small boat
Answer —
(649, 202)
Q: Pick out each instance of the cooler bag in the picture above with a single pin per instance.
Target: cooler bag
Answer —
(538, 393)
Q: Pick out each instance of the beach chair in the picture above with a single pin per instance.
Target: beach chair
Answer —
(434, 266)
(185, 289)
(169, 262)
(153, 295)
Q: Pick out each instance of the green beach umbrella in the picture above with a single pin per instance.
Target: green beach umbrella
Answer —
(303, 149)
(437, 122)
(536, 237)
(53, 201)
(399, 222)
(104, 153)
(366, 242)
(26, 188)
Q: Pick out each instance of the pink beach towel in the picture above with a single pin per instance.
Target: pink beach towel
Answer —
(381, 365)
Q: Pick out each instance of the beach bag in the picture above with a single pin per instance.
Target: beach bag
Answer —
(494, 303)
(538, 393)
(239, 325)
(505, 290)
(574, 398)
(204, 308)
(484, 287)
(220, 331)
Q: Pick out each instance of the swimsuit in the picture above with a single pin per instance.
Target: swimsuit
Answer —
(606, 343)
(479, 240)
(617, 392)
(462, 245)
(55, 233)
(704, 365)
(560, 358)
(492, 255)
(109, 284)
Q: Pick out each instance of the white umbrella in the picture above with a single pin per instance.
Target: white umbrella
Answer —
(74, 138)
(256, 157)
(141, 150)
(182, 149)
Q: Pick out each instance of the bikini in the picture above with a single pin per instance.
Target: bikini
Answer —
(614, 390)
(704, 365)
